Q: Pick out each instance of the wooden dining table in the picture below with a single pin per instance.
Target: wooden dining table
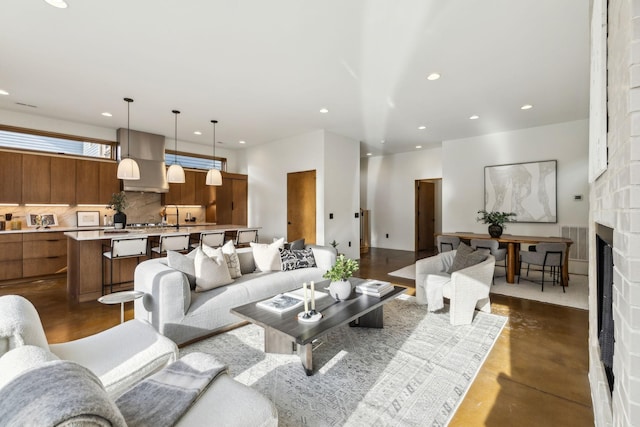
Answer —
(513, 249)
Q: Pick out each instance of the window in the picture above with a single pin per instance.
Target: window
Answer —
(193, 161)
(27, 139)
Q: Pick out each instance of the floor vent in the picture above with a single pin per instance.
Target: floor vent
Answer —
(579, 250)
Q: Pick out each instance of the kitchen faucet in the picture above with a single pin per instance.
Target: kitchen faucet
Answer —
(177, 218)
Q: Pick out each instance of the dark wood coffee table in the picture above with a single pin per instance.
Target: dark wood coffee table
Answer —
(285, 334)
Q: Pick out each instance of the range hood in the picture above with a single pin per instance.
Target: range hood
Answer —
(148, 150)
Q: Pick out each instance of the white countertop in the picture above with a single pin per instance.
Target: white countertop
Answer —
(58, 229)
(110, 233)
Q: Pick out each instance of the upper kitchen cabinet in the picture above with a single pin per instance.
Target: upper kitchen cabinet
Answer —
(185, 193)
(96, 181)
(10, 177)
(63, 180)
(36, 179)
(230, 206)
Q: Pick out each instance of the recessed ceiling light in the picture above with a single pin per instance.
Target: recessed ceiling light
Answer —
(382, 142)
(107, 114)
(242, 142)
(3, 92)
(526, 107)
(324, 110)
(60, 4)
(433, 76)
(474, 117)
(368, 154)
(197, 132)
(418, 146)
(422, 127)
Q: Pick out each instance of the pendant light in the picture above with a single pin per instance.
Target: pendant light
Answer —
(175, 173)
(128, 168)
(214, 177)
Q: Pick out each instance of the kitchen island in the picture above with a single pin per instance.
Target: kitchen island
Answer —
(85, 255)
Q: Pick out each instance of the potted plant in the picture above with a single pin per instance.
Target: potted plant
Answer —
(339, 274)
(119, 203)
(496, 221)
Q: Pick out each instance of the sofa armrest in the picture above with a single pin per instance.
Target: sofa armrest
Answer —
(167, 294)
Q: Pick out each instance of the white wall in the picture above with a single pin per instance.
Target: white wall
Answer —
(335, 160)
(463, 174)
(342, 193)
(390, 194)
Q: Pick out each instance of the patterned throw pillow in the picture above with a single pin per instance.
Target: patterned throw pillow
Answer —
(233, 262)
(466, 257)
(294, 259)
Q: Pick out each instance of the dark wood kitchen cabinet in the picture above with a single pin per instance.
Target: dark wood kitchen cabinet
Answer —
(63, 180)
(96, 181)
(36, 179)
(230, 205)
(187, 192)
(10, 177)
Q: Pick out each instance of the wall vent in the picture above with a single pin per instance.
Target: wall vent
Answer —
(579, 250)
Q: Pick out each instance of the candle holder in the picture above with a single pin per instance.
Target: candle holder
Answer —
(309, 316)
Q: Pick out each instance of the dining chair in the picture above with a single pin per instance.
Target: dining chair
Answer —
(213, 239)
(500, 254)
(550, 255)
(121, 248)
(244, 237)
(171, 242)
(447, 243)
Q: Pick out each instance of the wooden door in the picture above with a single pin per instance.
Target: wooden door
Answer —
(239, 202)
(301, 206)
(63, 180)
(425, 215)
(36, 179)
(10, 177)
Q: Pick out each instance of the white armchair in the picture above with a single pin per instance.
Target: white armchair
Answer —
(466, 289)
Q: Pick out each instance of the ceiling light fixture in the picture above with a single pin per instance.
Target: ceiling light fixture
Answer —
(175, 173)
(382, 142)
(241, 142)
(60, 4)
(128, 168)
(214, 177)
(324, 110)
(474, 117)
(433, 76)
(3, 92)
(526, 107)
(422, 127)
(107, 114)
(418, 146)
(368, 154)
(197, 132)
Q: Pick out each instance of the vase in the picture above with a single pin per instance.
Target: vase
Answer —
(495, 230)
(119, 220)
(340, 290)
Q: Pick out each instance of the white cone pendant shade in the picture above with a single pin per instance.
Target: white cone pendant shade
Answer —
(214, 177)
(128, 168)
(175, 173)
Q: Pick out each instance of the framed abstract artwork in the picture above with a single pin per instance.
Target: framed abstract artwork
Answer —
(527, 189)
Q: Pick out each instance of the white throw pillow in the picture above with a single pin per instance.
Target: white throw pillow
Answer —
(267, 256)
(211, 272)
(231, 256)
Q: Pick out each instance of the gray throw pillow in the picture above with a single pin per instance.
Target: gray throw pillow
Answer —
(466, 257)
(185, 264)
(297, 245)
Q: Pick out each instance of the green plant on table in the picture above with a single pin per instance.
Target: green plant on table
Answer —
(496, 218)
(343, 269)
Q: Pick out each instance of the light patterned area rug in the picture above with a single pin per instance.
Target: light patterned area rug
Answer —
(413, 372)
(576, 295)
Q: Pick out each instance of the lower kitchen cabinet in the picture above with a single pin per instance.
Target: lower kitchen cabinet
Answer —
(43, 254)
(11, 256)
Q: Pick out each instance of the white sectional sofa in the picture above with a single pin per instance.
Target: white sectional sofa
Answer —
(184, 315)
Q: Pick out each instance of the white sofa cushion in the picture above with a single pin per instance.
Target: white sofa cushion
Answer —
(267, 256)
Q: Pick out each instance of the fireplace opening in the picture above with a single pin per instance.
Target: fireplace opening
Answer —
(604, 260)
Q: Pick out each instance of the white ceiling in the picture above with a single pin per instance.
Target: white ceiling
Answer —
(264, 69)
